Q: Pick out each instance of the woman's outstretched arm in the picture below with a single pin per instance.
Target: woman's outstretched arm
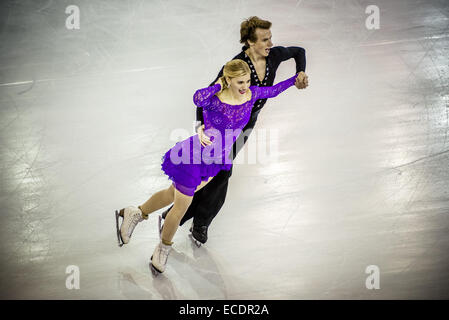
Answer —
(271, 92)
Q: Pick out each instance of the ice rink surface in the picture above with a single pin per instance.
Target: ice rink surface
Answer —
(361, 178)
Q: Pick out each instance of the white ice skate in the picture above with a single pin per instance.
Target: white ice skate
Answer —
(131, 216)
(159, 258)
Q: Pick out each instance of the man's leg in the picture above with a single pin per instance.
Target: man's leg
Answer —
(214, 195)
(208, 201)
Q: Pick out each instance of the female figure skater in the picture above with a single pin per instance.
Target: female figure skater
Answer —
(226, 109)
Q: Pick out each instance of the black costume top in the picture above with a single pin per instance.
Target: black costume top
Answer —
(273, 60)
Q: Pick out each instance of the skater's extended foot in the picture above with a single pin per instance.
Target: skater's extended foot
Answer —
(131, 217)
(160, 256)
(199, 234)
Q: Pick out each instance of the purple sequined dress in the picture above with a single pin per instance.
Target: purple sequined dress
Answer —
(188, 162)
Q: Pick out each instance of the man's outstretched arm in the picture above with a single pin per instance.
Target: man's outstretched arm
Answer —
(281, 54)
(284, 53)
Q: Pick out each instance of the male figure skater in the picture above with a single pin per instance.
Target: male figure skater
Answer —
(263, 60)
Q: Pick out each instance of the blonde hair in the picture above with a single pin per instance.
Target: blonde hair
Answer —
(233, 69)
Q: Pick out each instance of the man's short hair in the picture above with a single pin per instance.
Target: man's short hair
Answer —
(248, 29)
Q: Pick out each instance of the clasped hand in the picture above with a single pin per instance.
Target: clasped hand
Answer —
(302, 80)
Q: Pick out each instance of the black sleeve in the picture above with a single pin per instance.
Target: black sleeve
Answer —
(199, 111)
(284, 53)
(220, 74)
(199, 117)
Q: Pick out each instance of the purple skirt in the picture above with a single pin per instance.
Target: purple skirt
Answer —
(186, 166)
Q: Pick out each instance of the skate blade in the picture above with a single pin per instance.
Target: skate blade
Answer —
(196, 242)
(119, 236)
(154, 271)
(159, 223)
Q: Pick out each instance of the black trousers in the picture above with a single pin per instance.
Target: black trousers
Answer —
(207, 202)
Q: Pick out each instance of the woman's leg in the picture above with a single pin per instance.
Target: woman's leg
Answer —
(157, 201)
(174, 216)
